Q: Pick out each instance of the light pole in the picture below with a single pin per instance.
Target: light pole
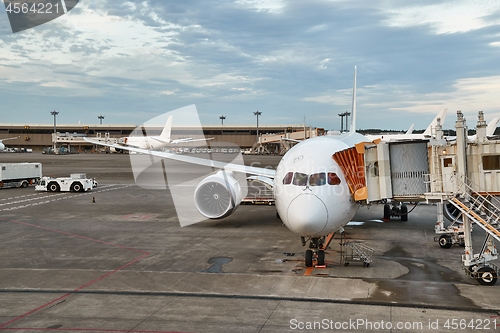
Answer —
(342, 115)
(222, 118)
(257, 113)
(54, 113)
(101, 117)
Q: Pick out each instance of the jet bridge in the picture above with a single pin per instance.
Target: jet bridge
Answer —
(386, 171)
(460, 178)
(461, 175)
(396, 170)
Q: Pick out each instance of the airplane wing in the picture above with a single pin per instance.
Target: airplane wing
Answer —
(119, 145)
(9, 139)
(194, 160)
(185, 140)
(291, 140)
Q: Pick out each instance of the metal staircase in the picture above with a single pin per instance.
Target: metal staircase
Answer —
(483, 209)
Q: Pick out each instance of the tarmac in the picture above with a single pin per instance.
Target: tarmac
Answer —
(117, 260)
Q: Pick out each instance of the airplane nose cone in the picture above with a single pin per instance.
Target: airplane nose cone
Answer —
(307, 215)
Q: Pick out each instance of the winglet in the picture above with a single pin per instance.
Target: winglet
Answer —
(353, 111)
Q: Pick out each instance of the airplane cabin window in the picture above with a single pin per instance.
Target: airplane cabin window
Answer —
(288, 178)
(300, 179)
(333, 179)
(317, 179)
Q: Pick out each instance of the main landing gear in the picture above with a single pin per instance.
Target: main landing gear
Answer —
(316, 250)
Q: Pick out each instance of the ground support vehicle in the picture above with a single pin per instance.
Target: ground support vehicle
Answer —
(74, 183)
(19, 174)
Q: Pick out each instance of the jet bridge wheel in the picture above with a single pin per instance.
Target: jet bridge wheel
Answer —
(486, 276)
(445, 241)
(404, 213)
(309, 258)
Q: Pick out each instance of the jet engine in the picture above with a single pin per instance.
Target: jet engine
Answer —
(218, 195)
(451, 212)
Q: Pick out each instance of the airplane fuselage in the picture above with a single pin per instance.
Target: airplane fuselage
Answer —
(311, 194)
(143, 142)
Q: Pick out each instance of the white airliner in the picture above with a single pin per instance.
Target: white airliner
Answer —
(154, 142)
(311, 192)
(2, 145)
(409, 135)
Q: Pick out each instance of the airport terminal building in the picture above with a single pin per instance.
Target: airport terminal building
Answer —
(40, 136)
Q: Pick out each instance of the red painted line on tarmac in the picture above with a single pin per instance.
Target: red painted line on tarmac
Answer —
(74, 235)
(307, 272)
(144, 255)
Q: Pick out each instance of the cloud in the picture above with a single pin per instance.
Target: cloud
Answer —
(448, 16)
(287, 58)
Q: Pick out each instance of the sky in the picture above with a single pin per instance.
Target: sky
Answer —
(291, 60)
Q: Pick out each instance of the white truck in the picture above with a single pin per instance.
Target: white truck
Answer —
(77, 182)
(19, 174)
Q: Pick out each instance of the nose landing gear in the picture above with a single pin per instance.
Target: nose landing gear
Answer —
(316, 251)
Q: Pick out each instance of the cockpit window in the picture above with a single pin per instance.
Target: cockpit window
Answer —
(300, 179)
(288, 178)
(333, 179)
(317, 179)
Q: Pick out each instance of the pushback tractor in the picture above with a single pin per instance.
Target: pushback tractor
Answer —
(74, 183)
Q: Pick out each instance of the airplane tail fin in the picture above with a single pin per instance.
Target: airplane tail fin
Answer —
(492, 126)
(353, 111)
(442, 116)
(165, 134)
(410, 130)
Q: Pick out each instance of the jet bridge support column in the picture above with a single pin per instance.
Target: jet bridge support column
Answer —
(461, 129)
(440, 217)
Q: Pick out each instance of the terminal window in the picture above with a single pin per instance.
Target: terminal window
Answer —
(448, 162)
(491, 162)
